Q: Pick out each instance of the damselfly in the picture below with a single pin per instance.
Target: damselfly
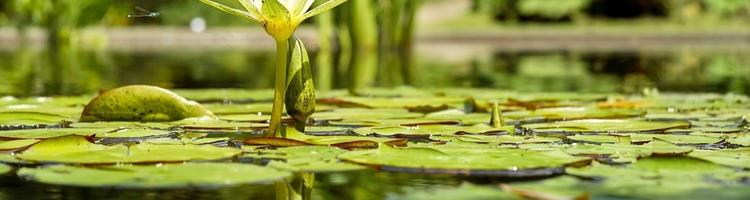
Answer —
(140, 12)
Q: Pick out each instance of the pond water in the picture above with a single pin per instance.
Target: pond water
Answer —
(625, 71)
(600, 82)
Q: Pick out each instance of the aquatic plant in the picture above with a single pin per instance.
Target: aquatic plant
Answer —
(280, 18)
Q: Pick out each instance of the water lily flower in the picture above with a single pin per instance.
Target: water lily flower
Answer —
(280, 18)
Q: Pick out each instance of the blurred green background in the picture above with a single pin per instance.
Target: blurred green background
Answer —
(51, 47)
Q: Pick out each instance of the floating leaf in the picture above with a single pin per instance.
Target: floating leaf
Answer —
(76, 149)
(5, 168)
(29, 118)
(432, 130)
(731, 157)
(743, 140)
(16, 144)
(53, 132)
(133, 133)
(572, 113)
(141, 103)
(604, 126)
(159, 176)
(306, 159)
(504, 162)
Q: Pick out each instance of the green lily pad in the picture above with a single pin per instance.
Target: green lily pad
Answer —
(364, 114)
(29, 118)
(141, 103)
(11, 159)
(458, 115)
(306, 159)
(604, 126)
(151, 125)
(133, 133)
(739, 157)
(599, 138)
(77, 149)
(572, 113)
(5, 168)
(628, 153)
(743, 140)
(53, 132)
(681, 139)
(295, 138)
(186, 140)
(500, 161)
(432, 130)
(504, 139)
(15, 144)
(159, 176)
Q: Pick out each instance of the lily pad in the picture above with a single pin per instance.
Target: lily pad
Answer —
(53, 132)
(730, 157)
(502, 162)
(604, 126)
(16, 144)
(572, 113)
(141, 103)
(29, 118)
(306, 159)
(159, 176)
(432, 130)
(77, 149)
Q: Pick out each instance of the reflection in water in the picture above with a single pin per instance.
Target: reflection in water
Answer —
(29, 71)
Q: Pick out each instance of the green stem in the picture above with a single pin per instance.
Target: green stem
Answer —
(282, 54)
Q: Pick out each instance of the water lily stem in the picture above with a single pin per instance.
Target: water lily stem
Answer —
(282, 54)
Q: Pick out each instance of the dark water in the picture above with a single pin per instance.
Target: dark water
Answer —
(30, 72)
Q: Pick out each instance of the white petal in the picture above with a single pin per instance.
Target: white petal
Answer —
(308, 4)
(258, 4)
(289, 4)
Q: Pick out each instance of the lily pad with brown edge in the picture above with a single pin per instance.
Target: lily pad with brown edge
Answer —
(79, 150)
(603, 126)
(499, 162)
(739, 157)
(155, 176)
(53, 132)
(305, 159)
(16, 144)
(141, 103)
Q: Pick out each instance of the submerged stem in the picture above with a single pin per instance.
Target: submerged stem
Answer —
(282, 54)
